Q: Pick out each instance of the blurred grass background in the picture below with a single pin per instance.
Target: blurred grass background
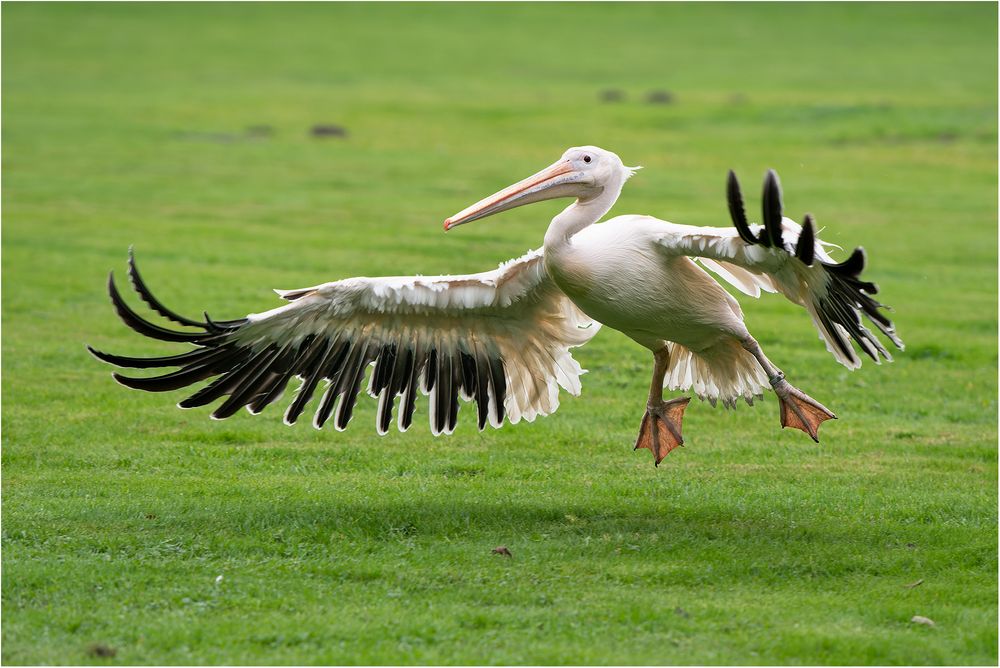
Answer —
(131, 124)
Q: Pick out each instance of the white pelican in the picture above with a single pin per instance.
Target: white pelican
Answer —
(502, 337)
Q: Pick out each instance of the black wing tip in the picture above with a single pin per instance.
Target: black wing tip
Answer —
(772, 210)
(772, 184)
(805, 248)
(852, 267)
(849, 298)
(140, 287)
(114, 360)
(736, 210)
(129, 381)
(151, 330)
(213, 357)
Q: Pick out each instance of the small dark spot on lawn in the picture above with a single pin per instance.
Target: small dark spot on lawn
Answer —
(612, 95)
(212, 137)
(681, 612)
(101, 650)
(947, 137)
(660, 97)
(321, 131)
(459, 471)
(502, 550)
(150, 516)
(911, 545)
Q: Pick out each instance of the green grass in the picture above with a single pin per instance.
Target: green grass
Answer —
(751, 545)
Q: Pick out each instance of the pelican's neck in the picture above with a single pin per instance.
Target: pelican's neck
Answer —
(577, 216)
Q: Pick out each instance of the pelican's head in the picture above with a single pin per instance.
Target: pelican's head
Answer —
(583, 172)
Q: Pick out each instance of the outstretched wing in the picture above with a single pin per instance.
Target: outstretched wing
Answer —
(500, 338)
(782, 256)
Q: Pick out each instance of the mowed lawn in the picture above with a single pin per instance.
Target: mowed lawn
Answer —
(164, 537)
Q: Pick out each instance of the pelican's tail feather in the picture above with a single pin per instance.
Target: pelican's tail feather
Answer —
(723, 373)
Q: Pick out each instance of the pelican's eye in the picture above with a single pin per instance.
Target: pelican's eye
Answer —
(586, 158)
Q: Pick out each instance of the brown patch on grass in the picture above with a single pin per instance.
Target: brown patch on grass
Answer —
(322, 131)
(101, 650)
(660, 97)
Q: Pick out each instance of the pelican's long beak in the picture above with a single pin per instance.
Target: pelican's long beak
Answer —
(560, 179)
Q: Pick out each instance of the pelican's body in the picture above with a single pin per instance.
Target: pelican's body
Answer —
(502, 338)
(615, 272)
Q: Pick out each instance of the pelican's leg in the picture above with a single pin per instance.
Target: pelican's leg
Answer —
(798, 409)
(660, 431)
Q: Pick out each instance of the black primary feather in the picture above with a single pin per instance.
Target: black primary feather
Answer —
(400, 372)
(211, 365)
(222, 385)
(340, 374)
(144, 327)
(281, 372)
(191, 357)
(736, 210)
(409, 401)
(499, 384)
(346, 408)
(453, 403)
(140, 286)
(468, 376)
(838, 340)
(312, 372)
(430, 370)
(851, 267)
(772, 208)
(443, 389)
(271, 391)
(805, 249)
(384, 365)
(482, 391)
(243, 393)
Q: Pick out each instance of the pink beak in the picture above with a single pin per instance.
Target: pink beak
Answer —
(543, 185)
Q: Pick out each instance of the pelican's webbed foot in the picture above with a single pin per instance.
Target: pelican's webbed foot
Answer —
(660, 431)
(799, 410)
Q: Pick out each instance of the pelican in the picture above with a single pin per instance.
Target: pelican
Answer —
(502, 338)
